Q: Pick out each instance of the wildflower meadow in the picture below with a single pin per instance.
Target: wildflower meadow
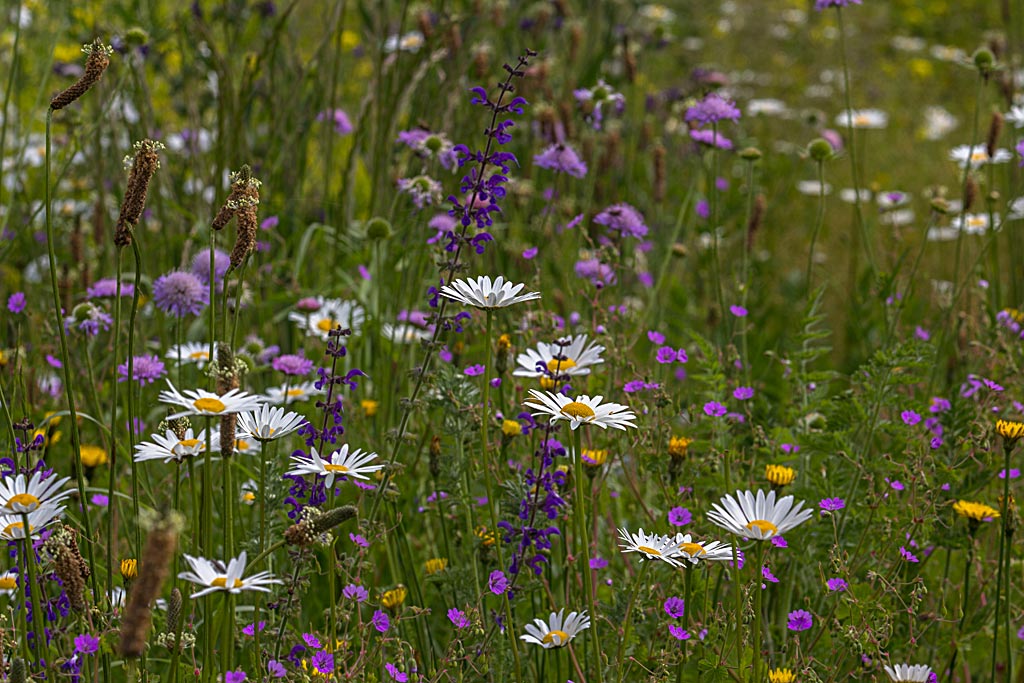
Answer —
(492, 340)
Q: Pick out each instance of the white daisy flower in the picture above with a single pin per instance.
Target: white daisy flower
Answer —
(1015, 116)
(766, 107)
(12, 527)
(286, 394)
(404, 333)
(976, 223)
(267, 423)
(8, 583)
(1015, 209)
(202, 402)
(942, 234)
(246, 446)
(168, 447)
(568, 357)
(938, 123)
(713, 551)
(583, 410)
(863, 118)
(897, 217)
(977, 155)
(556, 632)
(482, 293)
(759, 517)
(919, 673)
(812, 188)
(217, 577)
(191, 352)
(651, 546)
(849, 195)
(18, 494)
(409, 42)
(340, 462)
(332, 313)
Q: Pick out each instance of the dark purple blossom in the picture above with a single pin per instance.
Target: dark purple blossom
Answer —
(800, 620)
(381, 621)
(16, 302)
(675, 607)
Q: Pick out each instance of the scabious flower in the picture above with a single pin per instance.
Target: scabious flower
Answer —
(201, 266)
(595, 100)
(623, 219)
(600, 274)
(180, 293)
(292, 364)
(800, 620)
(563, 159)
(424, 190)
(710, 138)
(342, 124)
(713, 108)
(145, 370)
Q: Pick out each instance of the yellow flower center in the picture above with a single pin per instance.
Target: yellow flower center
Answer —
(578, 410)
(241, 445)
(93, 456)
(295, 392)
(861, 120)
(248, 496)
(326, 325)
(222, 582)
(693, 549)
(563, 637)
(560, 365)
(209, 405)
(976, 221)
(547, 383)
(191, 443)
(980, 155)
(199, 355)
(649, 550)
(9, 529)
(335, 468)
(25, 499)
(8, 583)
(764, 526)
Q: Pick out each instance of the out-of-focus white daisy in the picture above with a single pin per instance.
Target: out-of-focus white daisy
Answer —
(918, 673)
(694, 552)
(947, 53)
(977, 155)
(1015, 210)
(12, 527)
(8, 583)
(249, 491)
(202, 402)
(897, 217)
(215, 576)
(758, 516)
(191, 352)
(409, 42)
(908, 43)
(849, 195)
(767, 107)
(340, 462)
(286, 394)
(20, 494)
(863, 118)
(658, 14)
(168, 447)
(892, 199)
(569, 359)
(556, 631)
(812, 187)
(482, 292)
(1015, 116)
(330, 314)
(267, 423)
(582, 410)
(247, 446)
(938, 123)
(404, 333)
(975, 223)
(651, 546)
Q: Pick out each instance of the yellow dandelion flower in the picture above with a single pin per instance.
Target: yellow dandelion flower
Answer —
(93, 456)
(504, 343)
(678, 446)
(129, 568)
(1011, 431)
(779, 475)
(369, 406)
(435, 565)
(487, 537)
(975, 512)
(394, 598)
(511, 428)
(595, 457)
(781, 676)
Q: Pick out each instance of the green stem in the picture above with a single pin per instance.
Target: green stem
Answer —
(1004, 519)
(758, 613)
(42, 647)
(637, 583)
(818, 222)
(963, 607)
(588, 574)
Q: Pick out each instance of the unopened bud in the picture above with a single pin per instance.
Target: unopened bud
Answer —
(820, 149)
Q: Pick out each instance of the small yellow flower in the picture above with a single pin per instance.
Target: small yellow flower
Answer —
(93, 456)
(975, 512)
(1010, 431)
(593, 457)
(3, 359)
(547, 383)
(248, 497)
(487, 538)
(369, 406)
(435, 565)
(781, 676)
(129, 568)
(779, 475)
(678, 446)
(511, 428)
(394, 598)
(504, 343)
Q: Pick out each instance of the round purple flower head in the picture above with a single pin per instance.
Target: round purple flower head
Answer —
(16, 302)
(713, 108)
(107, 287)
(624, 219)
(711, 139)
(145, 370)
(292, 364)
(180, 293)
(562, 158)
(201, 265)
(825, 4)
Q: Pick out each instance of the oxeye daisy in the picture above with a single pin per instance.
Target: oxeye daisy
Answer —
(651, 546)
(285, 394)
(215, 576)
(556, 631)
(759, 517)
(481, 292)
(202, 402)
(863, 118)
(327, 315)
(694, 552)
(340, 462)
(582, 410)
(267, 423)
(20, 494)
(12, 527)
(404, 333)
(169, 447)
(568, 357)
(192, 352)
(919, 673)
(8, 583)
(977, 155)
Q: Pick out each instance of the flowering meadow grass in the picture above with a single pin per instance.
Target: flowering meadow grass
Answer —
(498, 341)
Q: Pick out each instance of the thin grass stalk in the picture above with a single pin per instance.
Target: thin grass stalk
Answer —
(758, 612)
(132, 315)
(1004, 561)
(42, 647)
(579, 511)
(113, 419)
(637, 584)
(818, 222)
(9, 423)
(8, 89)
(963, 607)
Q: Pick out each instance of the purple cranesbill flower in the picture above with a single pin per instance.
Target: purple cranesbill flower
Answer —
(800, 620)
(16, 302)
(87, 644)
(250, 629)
(563, 159)
(896, 485)
(323, 662)
(355, 592)
(713, 108)
(907, 555)
(1014, 473)
(655, 337)
(623, 219)
(530, 253)
(53, 361)
(92, 319)
(767, 575)
(702, 209)
(836, 585)
(678, 632)
(666, 354)
(497, 582)
(381, 621)
(714, 409)
(598, 563)
(832, 504)
(107, 287)
(738, 311)
(359, 540)
(681, 356)
(679, 516)
(311, 641)
(457, 618)
(145, 370)
(276, 669)
(342, 124)
(742, 393)
(237, 676)
(710, 138)
(825, 4)
(910, 417)
(675, 607)
(474, 370)
(779, 542)
(269, 223)
(292, 364)
(180, 293)
(395, 674)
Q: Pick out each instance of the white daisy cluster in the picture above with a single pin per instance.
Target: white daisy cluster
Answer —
(38, 499)
(674, 550)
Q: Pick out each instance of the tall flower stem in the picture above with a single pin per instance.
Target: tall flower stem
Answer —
(588, 575)
(963, 606)
(637, 583)
(758, 613)
(133, 312)
(42, 648)
(1005, 551)
(818, 222)
(69, 381)
(113, 419)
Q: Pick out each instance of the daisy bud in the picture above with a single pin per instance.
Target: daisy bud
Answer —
(752, 153)
(136, 36)
(95, 65)
(995, 127)
(679, 250)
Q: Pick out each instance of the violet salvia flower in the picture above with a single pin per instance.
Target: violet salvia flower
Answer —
(623, 219)
(713, 108)
(562, 158)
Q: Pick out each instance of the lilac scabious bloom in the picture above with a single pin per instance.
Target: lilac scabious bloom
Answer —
(675, 607)
(107, 287)
(562, 158)
(292, 364)
(599, 274)
(145, 370)
(424, 190)
(624, 219)
(180, 293)
(201, 265)
(800, 620)
(342, 124)
(825, 4)
(91, 319)
(710, 138)
(597, 99)
(712, 109)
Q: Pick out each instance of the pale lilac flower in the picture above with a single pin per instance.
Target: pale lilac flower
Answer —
(293, 364)
(713, 108)
(738, 311)
(145, 370)
(742, 393)
(562, 158)
(623, 219)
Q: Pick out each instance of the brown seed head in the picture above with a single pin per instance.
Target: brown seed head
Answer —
(156, 560)
(95, 65)
(995, 127)
(142, 167)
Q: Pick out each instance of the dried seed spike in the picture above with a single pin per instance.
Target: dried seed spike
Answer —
(156, 559)
(140, 174)
(95, 65)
